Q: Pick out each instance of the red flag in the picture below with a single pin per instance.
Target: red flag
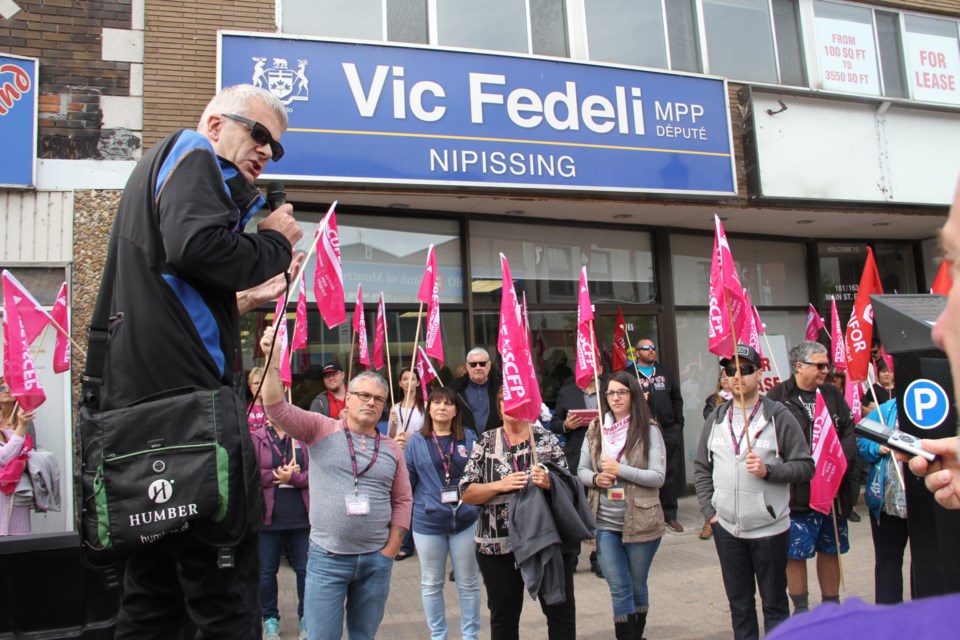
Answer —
(429, 294)
(18, 370)
(751, 328)
(586, 365)
(943, 282)
(379, 335)
(328, 274)
(360, 326)
(280, 343)
(425, 372)
(521, 392)
(33, 316)
(299, 340)
(761, 328)
(860, 327)
(61, 314)
(829, 459)
(726, 297)
(814, 324)
(838, 346)
(619, 343)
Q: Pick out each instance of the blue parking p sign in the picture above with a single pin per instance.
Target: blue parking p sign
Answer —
(926, 404)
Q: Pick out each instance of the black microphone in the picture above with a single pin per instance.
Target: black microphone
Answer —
(276, 195)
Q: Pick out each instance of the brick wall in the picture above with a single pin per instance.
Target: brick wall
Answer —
(65, 35)
(180, 57)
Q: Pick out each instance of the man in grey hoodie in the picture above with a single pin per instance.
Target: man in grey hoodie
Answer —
(743, 481)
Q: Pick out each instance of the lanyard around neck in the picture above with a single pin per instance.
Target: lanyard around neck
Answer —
(353, 457)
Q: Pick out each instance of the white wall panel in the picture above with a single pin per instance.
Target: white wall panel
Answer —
(855, 151)
(36, 226)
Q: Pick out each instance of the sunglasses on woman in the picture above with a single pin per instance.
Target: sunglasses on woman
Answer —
(259, 134)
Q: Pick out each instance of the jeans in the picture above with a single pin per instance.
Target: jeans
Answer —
(506, 593)
(432, 551)
(625, 567)
(179, 575)
(272, 544)
(743, 561)
(361, 581)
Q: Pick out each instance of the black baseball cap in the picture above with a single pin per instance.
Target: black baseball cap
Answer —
(331, 367)
(746, 353)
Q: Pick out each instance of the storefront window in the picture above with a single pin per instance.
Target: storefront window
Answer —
(896, 266)
(846, 49)
(545, 263)
(553, 340)
(933, 59)
(740, 39)
(775, 273)
(613, 27)
(389, 254)
(841, 267)
(700, 369)
(497, 26)
(362, 19)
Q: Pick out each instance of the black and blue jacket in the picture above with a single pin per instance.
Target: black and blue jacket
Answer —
(181, 257)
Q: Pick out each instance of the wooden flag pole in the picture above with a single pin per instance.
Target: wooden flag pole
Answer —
(386, 349)
(836, 537)
(896, 464)
(353, 340)
(773, 360)
(596, 377)
(413, 363)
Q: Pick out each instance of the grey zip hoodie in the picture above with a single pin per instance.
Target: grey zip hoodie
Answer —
(745, 505)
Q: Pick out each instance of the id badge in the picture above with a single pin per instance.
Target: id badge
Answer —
(357, 505)
(616, 493)
(449, 494)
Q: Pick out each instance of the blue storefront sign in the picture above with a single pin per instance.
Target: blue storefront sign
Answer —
(378, 113)
(18, 120)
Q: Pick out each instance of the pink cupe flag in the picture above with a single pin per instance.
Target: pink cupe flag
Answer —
(299, 340)
(380, 335)
(32, 315)
(360, 326)
(828, 456)
(425, 372)
(328, 274)
(18, 370)
(838, 345)
(751, 326)
(61, 315)
(814, 324)
(521, 391)
(429, 294)
(280, 343)
(853, 394)
(586, 355)
(727, 313)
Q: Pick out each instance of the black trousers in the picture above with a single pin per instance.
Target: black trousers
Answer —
(506, 593)
(748, 564)
(890, 536)
(176, 583)
(670, 491)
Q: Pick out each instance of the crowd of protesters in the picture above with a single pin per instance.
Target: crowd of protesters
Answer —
(463, 483)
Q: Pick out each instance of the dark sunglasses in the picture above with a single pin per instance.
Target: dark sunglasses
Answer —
(821, 366)
(745, 370)
(478, 364)
(259, 134)
(647, 347)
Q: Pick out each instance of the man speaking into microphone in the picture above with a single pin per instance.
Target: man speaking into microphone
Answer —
(185, 270)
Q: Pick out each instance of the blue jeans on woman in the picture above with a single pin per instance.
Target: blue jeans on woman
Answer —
(625, 568)
(432, 551)
(272, 544)
(362, 582)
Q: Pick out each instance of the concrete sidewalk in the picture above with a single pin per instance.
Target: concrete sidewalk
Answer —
(687, 600)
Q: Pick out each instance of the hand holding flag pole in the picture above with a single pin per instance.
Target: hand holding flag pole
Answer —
(736, 360)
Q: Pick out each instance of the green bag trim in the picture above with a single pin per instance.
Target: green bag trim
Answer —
(205, 445)
(103, 515)
(223, 484)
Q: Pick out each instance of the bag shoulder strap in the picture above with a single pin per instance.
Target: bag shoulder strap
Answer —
(98, 331)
